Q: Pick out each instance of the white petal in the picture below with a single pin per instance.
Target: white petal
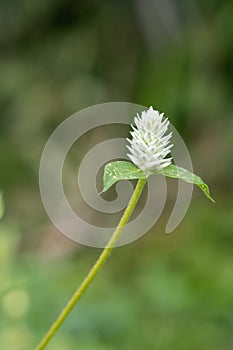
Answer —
(150, 145)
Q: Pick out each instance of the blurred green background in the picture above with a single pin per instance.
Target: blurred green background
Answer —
(163, 291)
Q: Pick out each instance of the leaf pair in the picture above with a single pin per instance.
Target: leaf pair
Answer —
(123, 170)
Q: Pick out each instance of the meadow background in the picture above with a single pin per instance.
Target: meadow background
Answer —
(163, 291)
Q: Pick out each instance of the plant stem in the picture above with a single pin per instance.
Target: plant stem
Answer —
(96, 267)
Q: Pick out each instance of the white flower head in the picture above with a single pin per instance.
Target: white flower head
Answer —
(149, 145)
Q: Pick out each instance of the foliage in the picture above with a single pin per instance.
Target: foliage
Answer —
(122, 170)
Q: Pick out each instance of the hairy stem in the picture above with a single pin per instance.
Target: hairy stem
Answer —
(96, 267)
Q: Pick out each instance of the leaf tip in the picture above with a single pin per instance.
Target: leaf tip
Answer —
(212, 200)
(2, 206)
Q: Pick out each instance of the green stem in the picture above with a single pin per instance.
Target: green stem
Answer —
(96, 267)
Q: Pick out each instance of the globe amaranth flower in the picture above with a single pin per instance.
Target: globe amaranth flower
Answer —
(149, 145)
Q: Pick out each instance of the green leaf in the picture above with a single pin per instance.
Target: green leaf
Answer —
(183, 174)
(120, 170)
(2, 207)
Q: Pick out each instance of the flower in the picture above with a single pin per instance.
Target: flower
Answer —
(149, 145)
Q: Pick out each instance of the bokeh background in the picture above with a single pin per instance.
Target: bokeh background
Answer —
(164, 291)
